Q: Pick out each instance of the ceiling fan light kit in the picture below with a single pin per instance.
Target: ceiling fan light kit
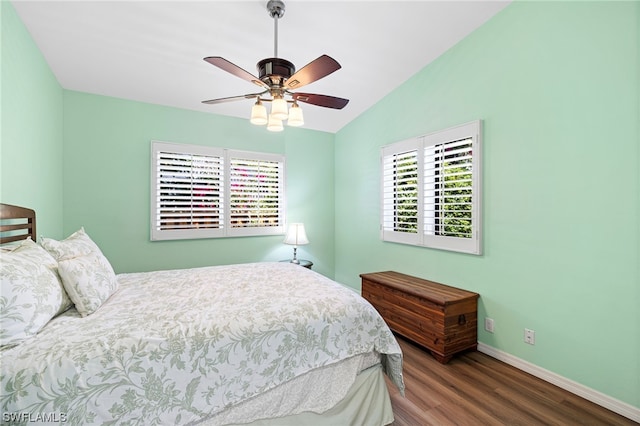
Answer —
(279, 108)
(277, 76)
(259, 114)
(274, 124)
(295, 116)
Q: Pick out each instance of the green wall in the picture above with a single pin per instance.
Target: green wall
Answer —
(99, 152)
(556, 84)
(31, 127)
(107, 182)
(557, 87)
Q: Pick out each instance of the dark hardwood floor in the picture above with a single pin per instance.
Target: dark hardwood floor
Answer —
(476, 389)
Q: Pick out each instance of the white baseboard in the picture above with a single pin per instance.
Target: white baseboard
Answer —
(585, 392)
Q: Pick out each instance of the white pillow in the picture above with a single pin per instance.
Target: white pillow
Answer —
(31, 292)
(86, 273)
(76, 244)
(33, 251)
(89, 281)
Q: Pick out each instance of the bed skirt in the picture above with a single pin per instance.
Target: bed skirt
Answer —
(366, 403)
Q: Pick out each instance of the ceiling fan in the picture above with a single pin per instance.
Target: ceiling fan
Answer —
(277, 77)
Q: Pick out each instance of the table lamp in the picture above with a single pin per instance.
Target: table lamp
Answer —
(296, 236)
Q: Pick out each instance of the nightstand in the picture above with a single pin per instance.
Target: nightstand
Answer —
(305, 263)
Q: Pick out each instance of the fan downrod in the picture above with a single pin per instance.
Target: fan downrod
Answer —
(276, 11)
(275, 71)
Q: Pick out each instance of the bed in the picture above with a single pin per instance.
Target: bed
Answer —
(257, 343)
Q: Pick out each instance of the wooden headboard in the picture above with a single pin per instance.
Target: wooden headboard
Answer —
(16, 223)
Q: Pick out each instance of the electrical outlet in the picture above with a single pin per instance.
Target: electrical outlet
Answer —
(488, 324)
(529, 336)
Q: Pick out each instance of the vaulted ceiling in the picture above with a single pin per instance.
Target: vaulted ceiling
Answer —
(152, 51)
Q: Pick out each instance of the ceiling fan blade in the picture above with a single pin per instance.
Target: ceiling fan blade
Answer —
(321, 100)
(234, 69)
(314, 70)
(233, 98)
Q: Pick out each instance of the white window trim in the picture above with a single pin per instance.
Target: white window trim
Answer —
(226, 230)
(473, 245)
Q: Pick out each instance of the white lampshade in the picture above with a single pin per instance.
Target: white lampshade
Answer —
(274, 124)
(279, 109)
(295, 116)
(258, 114)
(296, 235)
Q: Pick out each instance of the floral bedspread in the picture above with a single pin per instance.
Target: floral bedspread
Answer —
(173, 347)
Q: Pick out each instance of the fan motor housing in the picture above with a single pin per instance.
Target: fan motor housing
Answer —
(275, 67)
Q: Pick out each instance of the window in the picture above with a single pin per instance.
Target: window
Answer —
(206, 192)
(431, 190)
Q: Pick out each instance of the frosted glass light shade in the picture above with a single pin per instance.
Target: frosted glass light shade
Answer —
(295, 116)
(259, 114)
(274, 125)
(279, 109)
(296, 235)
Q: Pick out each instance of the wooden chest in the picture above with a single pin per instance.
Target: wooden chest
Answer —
(441, 318)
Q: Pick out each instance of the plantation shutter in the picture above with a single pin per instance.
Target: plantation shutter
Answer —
(207, 192)
(256, 191)
(400, 192)
(448, 190)
(452, 191)
(431, 190)
(189, 191)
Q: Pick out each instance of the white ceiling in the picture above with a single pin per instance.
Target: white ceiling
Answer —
(152, 51)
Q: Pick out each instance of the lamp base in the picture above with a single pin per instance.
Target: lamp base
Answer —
(295, 257)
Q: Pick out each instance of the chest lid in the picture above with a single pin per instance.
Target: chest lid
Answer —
(440, 294)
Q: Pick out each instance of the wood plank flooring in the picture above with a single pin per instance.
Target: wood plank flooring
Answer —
(476, 389)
